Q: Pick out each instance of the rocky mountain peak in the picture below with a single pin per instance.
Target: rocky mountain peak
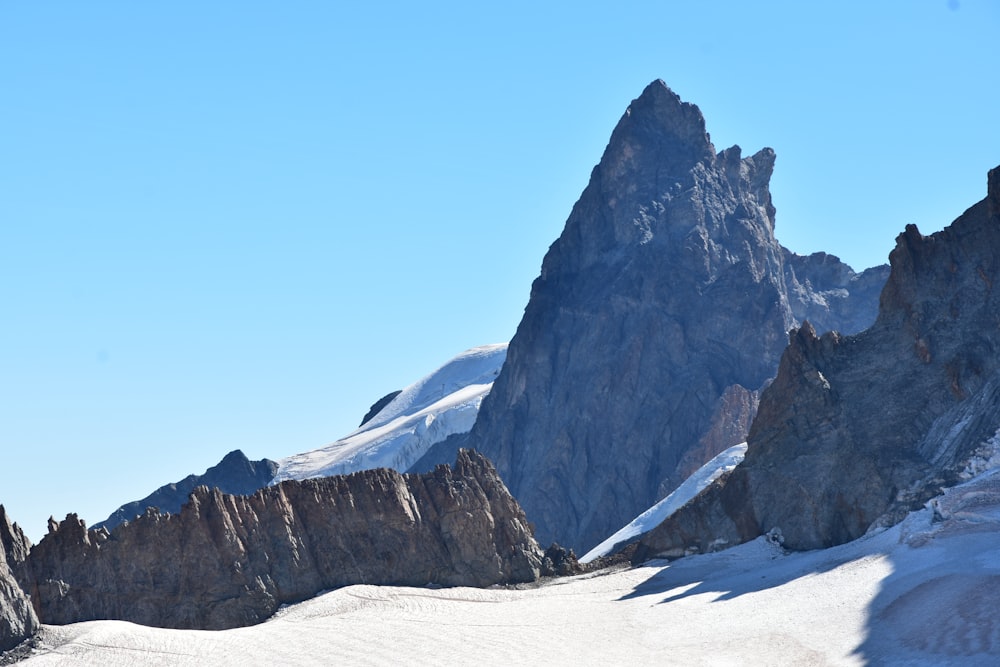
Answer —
(657, 125)
(13, 541)
(660, 312)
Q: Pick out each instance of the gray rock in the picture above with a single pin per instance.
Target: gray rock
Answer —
(659, 314)
(227, 561)
(830, 295)
(857, 430)
(235, 474)
(18, 621)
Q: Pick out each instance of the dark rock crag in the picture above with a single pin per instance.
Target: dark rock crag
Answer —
(378, 405)
(857, 430)
(18, 621)
(660, 313)
(234, 474)
(227, 561)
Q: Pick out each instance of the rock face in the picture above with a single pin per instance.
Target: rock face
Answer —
(17, 618)
(235, 474)
(659, 314)
(227, 561)
(858, 429)
(830, 295)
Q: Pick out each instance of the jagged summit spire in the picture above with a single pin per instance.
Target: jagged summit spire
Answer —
(666, 106)
(634, 343)
(659, 115)
(657, 134)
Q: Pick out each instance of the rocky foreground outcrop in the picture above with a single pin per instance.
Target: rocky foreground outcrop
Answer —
(235, 474)
(17, 618)
(226, 561)
(660, 313)
(859, 429)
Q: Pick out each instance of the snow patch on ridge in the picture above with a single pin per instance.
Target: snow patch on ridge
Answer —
(659, 512)
(986, 458)
(441, 404)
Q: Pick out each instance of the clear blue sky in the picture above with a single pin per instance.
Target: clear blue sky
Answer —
(237, 224)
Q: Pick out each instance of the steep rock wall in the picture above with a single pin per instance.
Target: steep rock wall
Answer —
(17, 618)
(659, 314)
(859, 429)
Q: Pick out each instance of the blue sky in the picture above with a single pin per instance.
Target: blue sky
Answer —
(236, 225)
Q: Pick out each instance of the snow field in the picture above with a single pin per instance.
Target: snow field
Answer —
(920, 593)
(426, 412)
(657, 514)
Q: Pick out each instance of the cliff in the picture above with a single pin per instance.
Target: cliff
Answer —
(856, 430)
(659, 315)
(17, 618)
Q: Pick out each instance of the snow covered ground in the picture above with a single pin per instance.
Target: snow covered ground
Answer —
(428, 411)
(921, 593)
(655, 515)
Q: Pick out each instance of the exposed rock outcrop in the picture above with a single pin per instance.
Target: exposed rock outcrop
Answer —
(227, 561)
(235, 474)
(659, 314)
(17, 618)
(378, 405)
(859, 429)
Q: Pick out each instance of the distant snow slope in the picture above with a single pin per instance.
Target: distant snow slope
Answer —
(428, 411)
(920, 593)
(656, 514)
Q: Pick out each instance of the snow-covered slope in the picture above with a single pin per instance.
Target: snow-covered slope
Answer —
(920, 593)
(428, 411)
(656, 514)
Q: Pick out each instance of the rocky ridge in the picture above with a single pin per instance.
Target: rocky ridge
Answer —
(660, 313)
(856, 430)
(225, 561)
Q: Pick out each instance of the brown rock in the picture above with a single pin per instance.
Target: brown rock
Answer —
(227, 561)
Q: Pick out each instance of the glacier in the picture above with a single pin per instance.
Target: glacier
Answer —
(919, 593)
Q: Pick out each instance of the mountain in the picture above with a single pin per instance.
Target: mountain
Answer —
(660, 313)
(234, 474)
(857, 430)
(920, 593)
(226, 561)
